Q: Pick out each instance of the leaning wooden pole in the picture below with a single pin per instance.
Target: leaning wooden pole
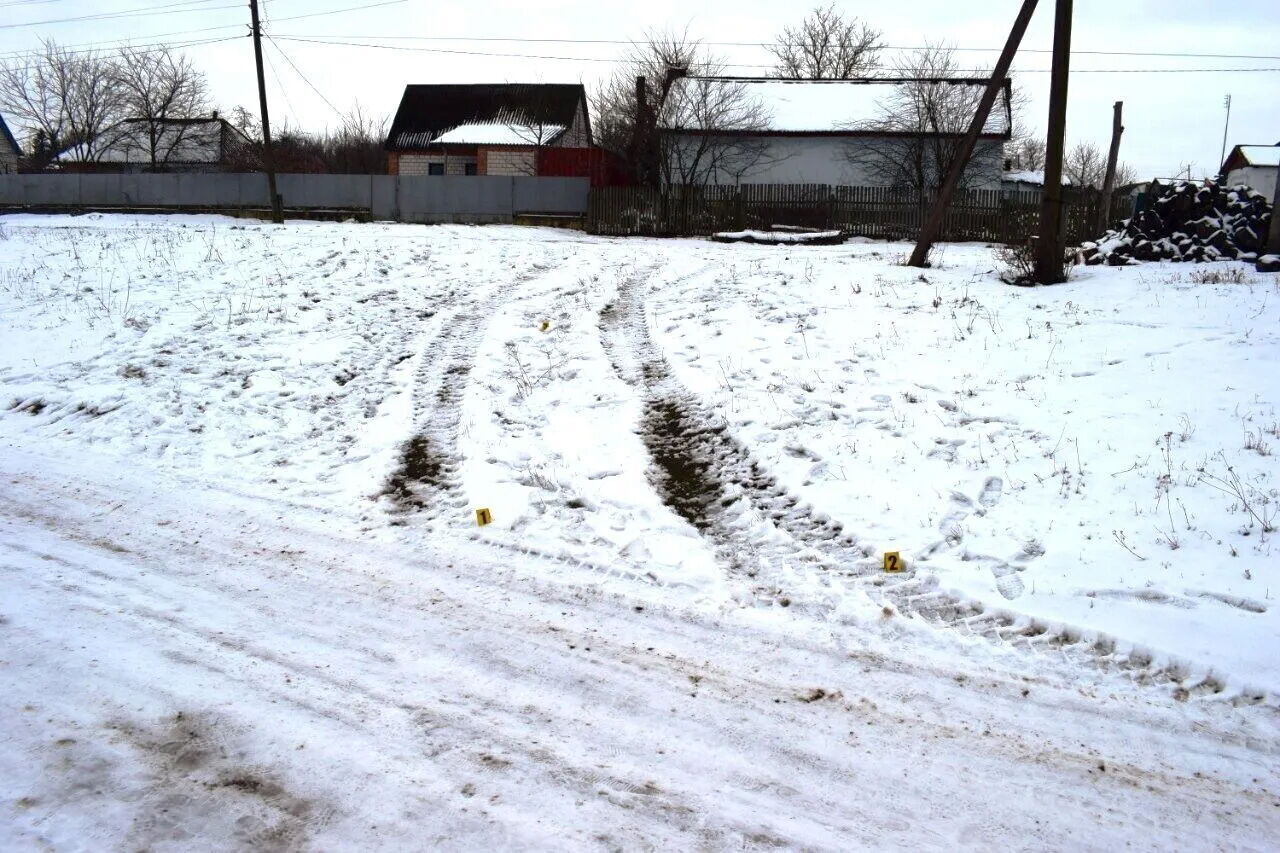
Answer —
(1049, 248)
(932, 227)
(1109, 182)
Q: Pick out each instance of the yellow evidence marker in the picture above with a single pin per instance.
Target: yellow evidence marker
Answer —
(892, 561)
(546, 324)
(483, 516)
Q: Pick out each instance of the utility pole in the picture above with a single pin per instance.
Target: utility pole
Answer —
(1109, 182)
(933, 223)
(1226, 102)
(1049, 248)
(268, 159)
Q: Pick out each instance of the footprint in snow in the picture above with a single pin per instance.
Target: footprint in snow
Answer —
(991, 492)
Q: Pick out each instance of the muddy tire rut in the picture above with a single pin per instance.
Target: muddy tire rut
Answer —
(712, 481)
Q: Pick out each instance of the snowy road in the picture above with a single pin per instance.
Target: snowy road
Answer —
(320, 692)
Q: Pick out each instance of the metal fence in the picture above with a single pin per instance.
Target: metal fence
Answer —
(441, 198)
(886, 212)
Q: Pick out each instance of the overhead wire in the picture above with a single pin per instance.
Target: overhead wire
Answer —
(143, 11)
(304, 77)
(549, 57)
(529, 40)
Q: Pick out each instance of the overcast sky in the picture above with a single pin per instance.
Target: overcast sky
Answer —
(1170, 118)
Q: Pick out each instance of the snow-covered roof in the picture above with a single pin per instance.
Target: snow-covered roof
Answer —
(822, 106)
(499, 134)
(1025, 177)
(1261, 155)
(197, 140)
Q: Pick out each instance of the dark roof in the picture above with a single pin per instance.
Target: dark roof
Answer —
(8, 137)
(428, 110)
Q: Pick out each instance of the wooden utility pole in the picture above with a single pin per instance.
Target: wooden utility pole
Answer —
(268, 159)
(1049, 248)
(1109, 183)
(933, 223)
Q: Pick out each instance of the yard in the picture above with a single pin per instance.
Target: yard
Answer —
(247, 601)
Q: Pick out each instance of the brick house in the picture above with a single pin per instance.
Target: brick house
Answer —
(485, 129)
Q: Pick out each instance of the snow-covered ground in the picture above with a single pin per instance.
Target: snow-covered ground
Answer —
(246, 601)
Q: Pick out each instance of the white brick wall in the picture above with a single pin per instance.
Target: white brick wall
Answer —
(416, 164)
(511, 161)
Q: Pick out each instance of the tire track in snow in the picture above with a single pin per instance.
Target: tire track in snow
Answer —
(426, 479)
(712, 480)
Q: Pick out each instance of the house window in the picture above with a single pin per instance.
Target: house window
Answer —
(435, 168)
(470, 169)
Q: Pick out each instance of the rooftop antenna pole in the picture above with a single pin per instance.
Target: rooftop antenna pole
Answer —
(933, 223)
(1226, 102)
(268, 159)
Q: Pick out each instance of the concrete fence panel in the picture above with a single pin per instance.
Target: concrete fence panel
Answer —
(406, 198)
(550, 195)
(384, 197)
(325, 191)
(253, 189)
(99, 189)
(457, 198)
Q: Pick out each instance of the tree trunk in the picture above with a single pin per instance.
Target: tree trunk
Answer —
(1109, 183)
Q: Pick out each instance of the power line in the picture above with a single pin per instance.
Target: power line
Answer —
(615, 60)
(524, 40)
(128, 13)
(90, 47)
(158, 47)
(298, 70)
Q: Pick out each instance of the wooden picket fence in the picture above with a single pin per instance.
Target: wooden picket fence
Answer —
(993, 216)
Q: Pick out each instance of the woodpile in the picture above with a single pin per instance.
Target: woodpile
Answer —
(1188, 222)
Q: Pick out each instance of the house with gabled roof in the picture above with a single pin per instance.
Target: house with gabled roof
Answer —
(485, 129)
(1255, 166)
(198, 144)
(881, 132)
(10, 151)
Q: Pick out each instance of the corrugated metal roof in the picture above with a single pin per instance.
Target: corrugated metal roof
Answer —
(429, 111)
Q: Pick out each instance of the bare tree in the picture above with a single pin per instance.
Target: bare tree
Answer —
(159, 86)
(66, 98)
(712, 126)
(1026, 154)
(615, 104)
(678, 130)
(1086, 166)
(356, 146)
(826, 46)
(920, 123)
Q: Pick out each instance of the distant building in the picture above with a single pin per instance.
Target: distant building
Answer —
(9, 149)
(486, 129)
(1255, 166)
(821, 132)
(204, 144)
